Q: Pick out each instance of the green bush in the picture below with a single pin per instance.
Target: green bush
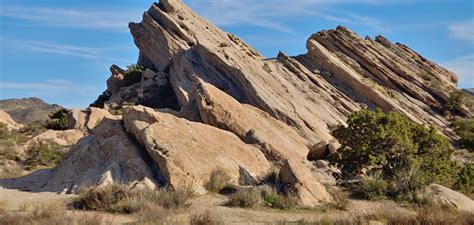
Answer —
(273, 199)
(8, 143)
(465, 129)
(133, 74)
(466, 180)
(456, 100)
(378, 140)
(373, 187)
(58, 120)
(43, 153)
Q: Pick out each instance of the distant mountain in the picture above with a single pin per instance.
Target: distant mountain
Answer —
(28, 110)
(469, 91)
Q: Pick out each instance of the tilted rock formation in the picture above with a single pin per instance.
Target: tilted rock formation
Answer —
(187, 152)
(213, 102)
(6, 119)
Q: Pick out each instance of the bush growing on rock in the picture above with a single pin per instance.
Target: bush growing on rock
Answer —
(456, 100)
(58, 120)
(382, 141)
(133, 74)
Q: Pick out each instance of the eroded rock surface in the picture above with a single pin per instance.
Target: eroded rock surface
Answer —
(6, 119)
(187, 152)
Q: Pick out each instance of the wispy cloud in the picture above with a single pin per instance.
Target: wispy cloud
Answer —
(266, 13)
(463, 30)
(112, 20)
(51, 88)
(92, 53)
(464, 68)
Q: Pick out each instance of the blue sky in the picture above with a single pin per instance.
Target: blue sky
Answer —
(60, 50)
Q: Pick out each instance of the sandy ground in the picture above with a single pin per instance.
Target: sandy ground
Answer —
(214, 204)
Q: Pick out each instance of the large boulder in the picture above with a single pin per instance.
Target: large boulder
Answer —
(107, 155)
(300, 180)
(446, 196)
(187, 152)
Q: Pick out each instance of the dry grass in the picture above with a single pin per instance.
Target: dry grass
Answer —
(245, 198)
(205, 218)
(218, 180)
(49, 215)
(116, 198)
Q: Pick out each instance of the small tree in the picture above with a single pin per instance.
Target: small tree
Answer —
(456, 101)
(58, 120)
(381, 141)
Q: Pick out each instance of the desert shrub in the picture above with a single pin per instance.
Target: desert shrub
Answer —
(407, 182)
(465, 129)
(133, 74)
(43, 153)
(58, 120)
(272, 179)
(102, 198)
(223, 44)
(456, 100)
(205, 218)
(245, 198)
(8, 143)
(118, 198)
(341, 200)
(373, 186)
(465, 182)
(379, 141)
(218, 180)
(10, 172)
(274, 199)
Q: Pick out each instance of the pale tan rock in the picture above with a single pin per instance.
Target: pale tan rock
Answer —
(221, 110)
(450, 197)
(63, 138)
(6, 119)
(105, 156)
(187, 152)
(96, 116)
(318, 151)
(300, 180)
(77, 119)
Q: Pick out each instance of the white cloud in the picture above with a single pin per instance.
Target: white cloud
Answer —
(464, 68)
(113, 20)
(266, 13)
(50, 88)
(463, 30)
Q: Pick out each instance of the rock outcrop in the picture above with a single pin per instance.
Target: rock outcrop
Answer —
(6, 119)
(107, 155)
(207, 100)
(446, 196)
(188, 152)
(28, 110)
(469, 91)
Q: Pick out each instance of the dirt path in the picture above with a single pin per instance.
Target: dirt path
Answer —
(16, 200)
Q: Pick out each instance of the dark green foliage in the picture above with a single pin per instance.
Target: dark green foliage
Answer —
(43, 153)
(58, 120)
(385, 140)
(456, 100)
(466, 180)
(465, 129)
(133, 74)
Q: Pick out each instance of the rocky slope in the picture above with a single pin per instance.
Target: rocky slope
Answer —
(28, 110)
(211, 101)
(469, 91)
